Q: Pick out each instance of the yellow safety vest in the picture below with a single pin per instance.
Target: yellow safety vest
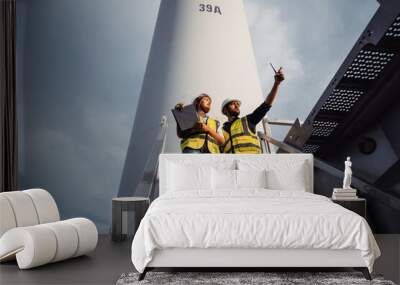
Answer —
(197, 140)
(243, 139)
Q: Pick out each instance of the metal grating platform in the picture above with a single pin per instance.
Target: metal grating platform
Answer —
(394, 29)
(323, 128)
(310, 148)
(342, 100)
(358, 115)
(368, 64)
(358, 82)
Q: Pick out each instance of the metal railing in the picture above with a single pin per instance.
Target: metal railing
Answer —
(148, 183)
(363, 187)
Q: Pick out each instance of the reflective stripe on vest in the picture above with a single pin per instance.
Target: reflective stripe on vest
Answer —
(196, 141)
(242, 138)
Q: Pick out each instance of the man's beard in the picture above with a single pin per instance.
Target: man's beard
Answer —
(233, 113)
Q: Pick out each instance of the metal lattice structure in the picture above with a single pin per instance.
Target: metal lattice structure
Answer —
(358, 115)
(371, 64)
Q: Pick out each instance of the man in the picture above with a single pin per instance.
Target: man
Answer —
(240, 133)
(204, 137)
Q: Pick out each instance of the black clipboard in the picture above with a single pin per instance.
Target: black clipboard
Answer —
(187, 118)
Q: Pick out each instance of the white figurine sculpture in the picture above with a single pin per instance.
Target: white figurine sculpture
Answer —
(347, 174)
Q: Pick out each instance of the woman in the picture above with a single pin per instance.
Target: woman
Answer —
(204, 137)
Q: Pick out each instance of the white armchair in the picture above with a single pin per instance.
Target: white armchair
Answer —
(31, 230)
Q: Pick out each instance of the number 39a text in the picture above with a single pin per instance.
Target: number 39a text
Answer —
(210, 9)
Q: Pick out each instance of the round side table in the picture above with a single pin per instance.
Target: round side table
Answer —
(121, 207)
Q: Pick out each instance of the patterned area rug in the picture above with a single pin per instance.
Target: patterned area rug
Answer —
(230, 278)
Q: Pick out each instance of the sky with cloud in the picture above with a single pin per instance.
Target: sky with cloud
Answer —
(310, 39)
(81, 63)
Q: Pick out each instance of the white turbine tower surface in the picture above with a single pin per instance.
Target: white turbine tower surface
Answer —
(198, 47)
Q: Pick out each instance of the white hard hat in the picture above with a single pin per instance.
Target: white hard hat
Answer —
(227, 101)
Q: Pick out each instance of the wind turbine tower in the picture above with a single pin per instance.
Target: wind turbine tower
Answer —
(198, 47)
